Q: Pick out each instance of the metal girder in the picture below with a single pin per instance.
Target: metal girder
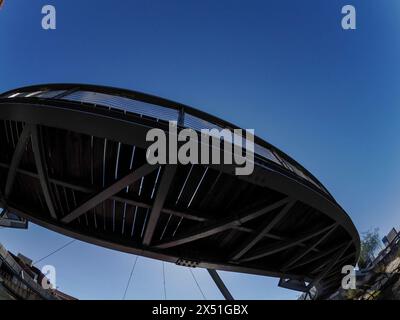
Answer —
(41, 166)
(221, 226)
(127, 247)
(317, 256)
(162, 192)
(130, 130)
(311, 248)
(331, 264)
(220, 284)
(331, 282)
(253, 240)
(345, 258)
(194, 216)
(16, 159)
(264, 252)
(114, 125)
(86, 189)
(109, 191)
(326, 262)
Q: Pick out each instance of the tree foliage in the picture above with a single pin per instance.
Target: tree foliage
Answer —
(369, 244)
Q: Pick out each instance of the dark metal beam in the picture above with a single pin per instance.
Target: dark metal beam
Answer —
(194, 216)
(264, 252)
(332, 263)
(220, 284)
(327, 262)
(225, 224)
(86, 189)
(309, 249)
(125, 129)
(165, 184)
(317, 256)
(266, 228)
(41, 166)
(109, 192)
(110, 243)
(16, 159)
(333, 282)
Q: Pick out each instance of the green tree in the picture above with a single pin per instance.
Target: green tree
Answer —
(369, 244)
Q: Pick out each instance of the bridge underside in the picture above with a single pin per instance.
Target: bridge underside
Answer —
(97, 188)
(192, 214)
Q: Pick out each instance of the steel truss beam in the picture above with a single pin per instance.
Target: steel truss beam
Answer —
(16, 159)
(333, 276)
(316, 257)
(109, 192)
(108, 242)
(220, 284)
(130, 130)
(89, 190)
(194, 216)
(264, 252)
(267, 227)
(41, 166)
(311, 248)
(332, 263)
(221, 226)
(165, 184)
(327, 262)
(332, 282)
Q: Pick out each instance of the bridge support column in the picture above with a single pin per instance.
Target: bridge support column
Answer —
(220, 284)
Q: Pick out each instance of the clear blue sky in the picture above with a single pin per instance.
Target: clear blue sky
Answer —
(329, 98)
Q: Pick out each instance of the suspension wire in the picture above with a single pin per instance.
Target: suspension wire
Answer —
(165, 287)
(198, 285)
(55, 251)
(130, 277)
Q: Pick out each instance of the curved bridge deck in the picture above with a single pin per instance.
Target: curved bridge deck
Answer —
(73, 160)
